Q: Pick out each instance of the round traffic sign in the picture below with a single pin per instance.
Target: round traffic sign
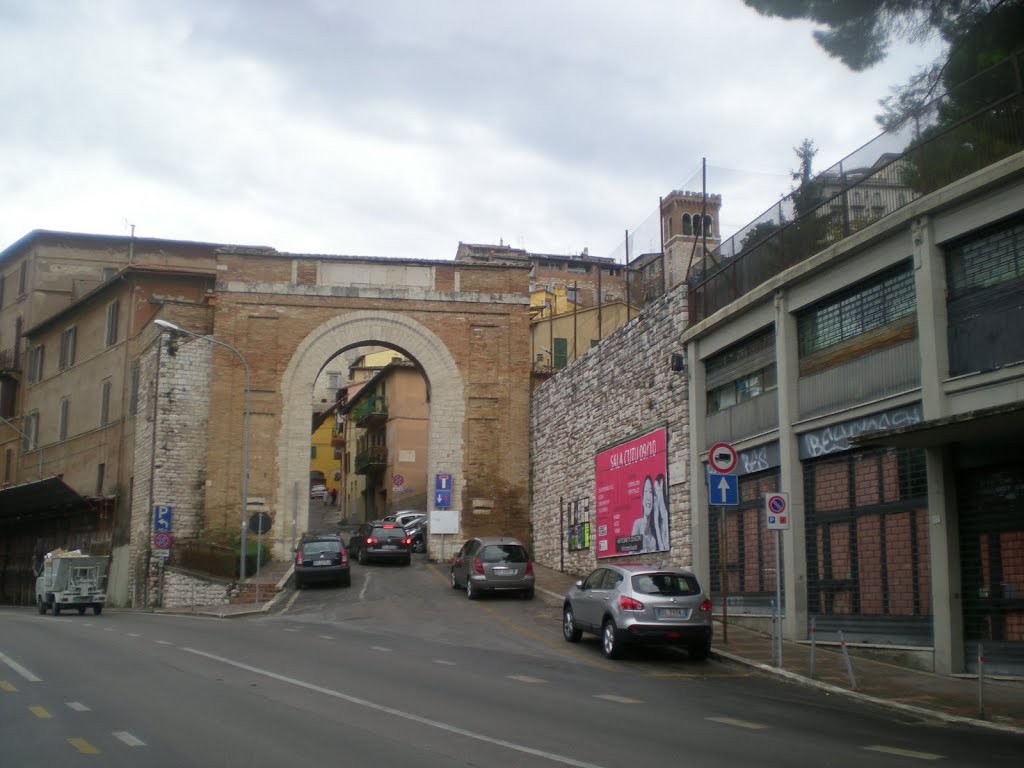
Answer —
(777, 504)
(260, 522)
(397, 481)
(162, 540)
(722, 458)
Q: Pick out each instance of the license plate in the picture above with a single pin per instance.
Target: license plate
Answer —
(673, 613)
(390, 546)
(505, 571)
(322, 562)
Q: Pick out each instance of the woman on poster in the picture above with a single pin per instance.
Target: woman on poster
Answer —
(652, 525)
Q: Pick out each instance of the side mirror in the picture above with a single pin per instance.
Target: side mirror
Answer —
(579, 583)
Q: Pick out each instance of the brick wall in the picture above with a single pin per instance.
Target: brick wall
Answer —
(621, 387)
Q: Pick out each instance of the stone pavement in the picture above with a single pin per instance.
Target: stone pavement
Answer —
(1000, 705)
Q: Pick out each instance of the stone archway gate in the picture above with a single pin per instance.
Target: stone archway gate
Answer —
(467, 325)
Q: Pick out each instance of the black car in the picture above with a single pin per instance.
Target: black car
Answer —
(378, 540)
(322, 557)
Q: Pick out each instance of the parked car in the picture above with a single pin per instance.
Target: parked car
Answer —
(322, 557)
(417, 531)
(639, 604)
(493, 564)
(407, 518)
(318, 492)
(377, 540)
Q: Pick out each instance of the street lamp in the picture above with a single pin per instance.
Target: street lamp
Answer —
(245, 439)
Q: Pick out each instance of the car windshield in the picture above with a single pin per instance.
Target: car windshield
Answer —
(316, 547)
(504, 553)
(665, 584)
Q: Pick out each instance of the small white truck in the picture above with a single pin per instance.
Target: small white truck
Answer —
(69, 579)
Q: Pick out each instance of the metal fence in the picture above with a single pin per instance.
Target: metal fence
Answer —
(976, 124)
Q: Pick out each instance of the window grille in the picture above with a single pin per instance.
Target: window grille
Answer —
(865, 307)
(985, 260)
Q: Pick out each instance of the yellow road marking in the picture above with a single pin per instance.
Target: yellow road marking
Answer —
(40, 713)
(83, 746)
(5, 686)
(904, 752)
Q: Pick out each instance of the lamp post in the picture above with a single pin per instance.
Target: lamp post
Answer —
(29, 441)
(245, 438)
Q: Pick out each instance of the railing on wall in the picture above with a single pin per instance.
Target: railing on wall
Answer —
(973, 126)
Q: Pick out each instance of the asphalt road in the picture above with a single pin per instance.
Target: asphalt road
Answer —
(399, 670)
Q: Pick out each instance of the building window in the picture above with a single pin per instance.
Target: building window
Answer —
(561, 355)
(30, 433)
(687, 224)
(742, 389)
(983, 262)
(709, 227)
(575, 266)
(105, 403)
(133, 397)
(23, 278)
(312, 451)
(65, 406)
(871, 305)
(572, 294)
(67, 348)
(113, 312)
(109, 272)
(35, 363)
(334, 381)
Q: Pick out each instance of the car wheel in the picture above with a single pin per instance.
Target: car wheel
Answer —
(570, 631)
(97, 610)
(42, 606)
(298, 584)
(610, 645)
(346, 580)
(700, 652)
(528, 594)
(455, 582)
(471, 592)
(81, 610)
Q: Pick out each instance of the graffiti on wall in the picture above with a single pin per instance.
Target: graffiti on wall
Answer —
(837, 437)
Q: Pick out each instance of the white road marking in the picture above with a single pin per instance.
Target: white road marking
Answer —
(563, 759)
(738, 723)
(134, 634)
(325, 637)
(164, 642)
(903, 752)
(525, 679)
(380, 648)
(290, 629)
(108, 629)
(77, 706)
(129, 739)
(366, 584)
(445, 662)
(19, 669)
(617, 699)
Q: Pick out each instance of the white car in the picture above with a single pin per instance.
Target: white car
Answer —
(407, 518)
(319, 491)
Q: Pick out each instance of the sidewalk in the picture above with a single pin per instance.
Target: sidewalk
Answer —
(953, 699)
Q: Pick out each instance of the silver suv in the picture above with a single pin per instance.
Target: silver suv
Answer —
(639, 604)
(493, 564)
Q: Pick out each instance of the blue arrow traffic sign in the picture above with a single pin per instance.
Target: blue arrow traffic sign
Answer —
(442, 499)
(724, 490)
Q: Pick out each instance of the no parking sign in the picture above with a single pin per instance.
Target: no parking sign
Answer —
(776, 507)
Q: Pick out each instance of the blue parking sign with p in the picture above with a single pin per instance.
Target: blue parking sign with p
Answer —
(163, 516)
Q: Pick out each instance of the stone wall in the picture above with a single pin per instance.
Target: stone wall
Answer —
(182, 589)
(623, 386)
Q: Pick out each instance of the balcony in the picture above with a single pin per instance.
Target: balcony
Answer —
(372, 460)
(10, 362)
(370, 411)
(338, 438)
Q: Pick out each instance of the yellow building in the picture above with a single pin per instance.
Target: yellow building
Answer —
(556, 340)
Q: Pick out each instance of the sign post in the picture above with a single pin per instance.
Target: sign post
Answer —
(723, 491)
(776, 507)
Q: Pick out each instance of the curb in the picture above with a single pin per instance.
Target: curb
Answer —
(863, 697)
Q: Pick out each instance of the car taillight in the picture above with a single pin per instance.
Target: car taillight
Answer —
(705, 607)
(529, 567)
(629, 604)
(407, 541)
(298, 558)
(478, 567)
(344, 558)
(371, 541)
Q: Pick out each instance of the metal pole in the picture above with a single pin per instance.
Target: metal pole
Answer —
(846, 658)
(723, 547)
(813, 647)
(981, 681)
(778, 591)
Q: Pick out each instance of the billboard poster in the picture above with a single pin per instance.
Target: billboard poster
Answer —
(632, 496)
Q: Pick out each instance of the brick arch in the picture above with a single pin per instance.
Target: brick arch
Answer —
(447, 400)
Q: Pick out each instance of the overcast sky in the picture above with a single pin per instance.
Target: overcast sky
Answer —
(400, 128)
